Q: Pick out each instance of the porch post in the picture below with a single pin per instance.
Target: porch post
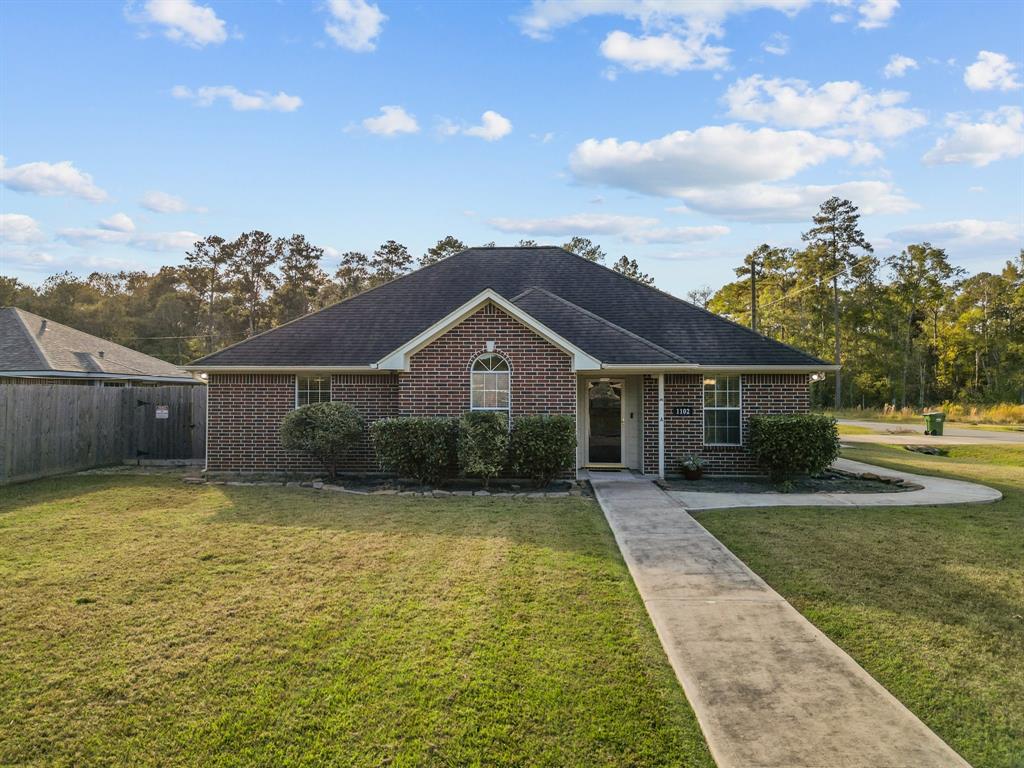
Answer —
(661, 425)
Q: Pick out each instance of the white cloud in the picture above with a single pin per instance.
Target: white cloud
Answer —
(149, 241)
(664, 53)
(588, 223)
(675, 35)
(355, 24)
(846, 107)
(992, 72)
(898, 66)
(119, 222)
(712, 156)
(239, 101)
(766, 202)
(875, 14)
(51, 179)
(493, 126)
(1000, 136)
(777, 44)
(19, 228)
(162, 202)
(391, 121)
(962, 233)
(676, 234)
(184, 21)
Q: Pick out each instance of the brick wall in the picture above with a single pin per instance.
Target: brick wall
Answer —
(761, 394)
(437, 383)
(375, 396)
(245, 413)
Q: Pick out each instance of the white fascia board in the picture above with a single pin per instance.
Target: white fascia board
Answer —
(687, 368)
(399, 359)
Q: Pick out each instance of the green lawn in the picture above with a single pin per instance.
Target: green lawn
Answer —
(145, 622)
(930, 600)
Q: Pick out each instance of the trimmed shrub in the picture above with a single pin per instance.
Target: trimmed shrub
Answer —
(418, 447)
(483, 444)
(324, 430)
(805, 443)
(542, 447)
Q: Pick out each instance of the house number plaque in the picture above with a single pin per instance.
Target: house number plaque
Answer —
(683, 410)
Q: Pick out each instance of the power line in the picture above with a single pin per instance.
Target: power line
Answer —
(817, 285)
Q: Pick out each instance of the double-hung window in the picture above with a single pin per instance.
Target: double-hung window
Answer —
(489, 385)
(722, 410)
(312, 389)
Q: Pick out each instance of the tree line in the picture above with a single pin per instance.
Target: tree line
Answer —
(228, 290)
(910, 329)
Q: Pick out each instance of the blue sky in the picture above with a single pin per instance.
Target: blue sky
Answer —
(682, 134)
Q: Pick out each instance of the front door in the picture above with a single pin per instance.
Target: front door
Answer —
(604, 404)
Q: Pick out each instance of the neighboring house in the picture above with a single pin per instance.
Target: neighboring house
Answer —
(649, 378)
(34, 349)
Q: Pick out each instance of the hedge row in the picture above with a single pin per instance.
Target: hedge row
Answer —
(480, 444)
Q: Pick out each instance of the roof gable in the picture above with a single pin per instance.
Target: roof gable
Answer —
(398, 359)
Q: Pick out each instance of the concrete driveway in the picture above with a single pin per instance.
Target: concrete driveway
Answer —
(895, 433)
(768, 688)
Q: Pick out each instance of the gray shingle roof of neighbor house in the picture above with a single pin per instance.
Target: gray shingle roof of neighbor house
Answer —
(30, 344)
(611, 317)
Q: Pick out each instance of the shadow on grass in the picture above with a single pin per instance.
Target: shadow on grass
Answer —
(573, 524)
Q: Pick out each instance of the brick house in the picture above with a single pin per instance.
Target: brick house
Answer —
(649, 378)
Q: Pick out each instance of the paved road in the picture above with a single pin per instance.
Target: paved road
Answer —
(768, 688)
(893, 432)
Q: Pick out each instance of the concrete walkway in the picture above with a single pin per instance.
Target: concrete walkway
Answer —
(937, 490)
(769, 689)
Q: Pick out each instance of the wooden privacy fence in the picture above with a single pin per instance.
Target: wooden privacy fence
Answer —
(46, 429)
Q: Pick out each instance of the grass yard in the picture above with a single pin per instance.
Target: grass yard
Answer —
(145, 622)
(930, 600)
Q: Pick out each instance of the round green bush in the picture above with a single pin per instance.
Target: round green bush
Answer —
(804, 443)
(326, 431)
(483, 444)
(417, 447)
(543, 447)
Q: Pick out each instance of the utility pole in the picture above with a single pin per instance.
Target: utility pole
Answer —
(753, 292)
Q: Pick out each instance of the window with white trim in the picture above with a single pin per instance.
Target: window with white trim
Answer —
(722, 410)
(489, 385)
(312, 389)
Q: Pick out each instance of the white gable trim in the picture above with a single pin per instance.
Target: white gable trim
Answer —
(399, 359)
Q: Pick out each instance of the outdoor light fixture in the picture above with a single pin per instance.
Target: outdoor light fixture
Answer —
(819, 376)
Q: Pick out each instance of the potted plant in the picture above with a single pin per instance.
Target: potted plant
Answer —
(693, 467)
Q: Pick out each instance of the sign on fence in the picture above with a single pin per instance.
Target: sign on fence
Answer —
(162, 412)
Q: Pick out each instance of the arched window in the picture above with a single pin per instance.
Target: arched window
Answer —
(489, 383)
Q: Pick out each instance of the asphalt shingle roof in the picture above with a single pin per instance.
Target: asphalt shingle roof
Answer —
(611, 317)
(29, 342)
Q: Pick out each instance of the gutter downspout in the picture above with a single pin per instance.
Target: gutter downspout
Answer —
(661, 425)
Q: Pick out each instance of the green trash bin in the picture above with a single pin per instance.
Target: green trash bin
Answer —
(933, 423)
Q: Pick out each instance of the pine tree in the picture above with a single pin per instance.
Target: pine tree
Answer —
(835, 234)
(445, 247)
(758, 264)
(389, 261)
(204, 274)
(353, 274)
(629, 267)
(583, 246)
(701, 296)
(253, 257)
(301, 277)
